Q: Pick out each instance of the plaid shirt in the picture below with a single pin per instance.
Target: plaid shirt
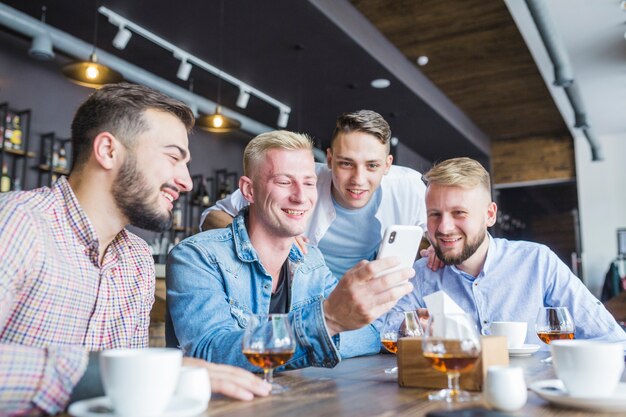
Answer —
(57, 301)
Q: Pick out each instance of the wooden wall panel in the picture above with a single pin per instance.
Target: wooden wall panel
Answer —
(532, 159)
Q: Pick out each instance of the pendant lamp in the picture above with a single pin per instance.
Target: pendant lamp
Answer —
(91, 73)
(217, 122)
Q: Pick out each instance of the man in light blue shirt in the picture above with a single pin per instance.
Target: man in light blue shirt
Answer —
(495, 279)
(218, 278)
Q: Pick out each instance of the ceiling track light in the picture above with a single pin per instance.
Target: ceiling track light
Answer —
(122, 37)
(41, 47)
(242, 99)
(121, 21)
(283, 117)
(184, 69)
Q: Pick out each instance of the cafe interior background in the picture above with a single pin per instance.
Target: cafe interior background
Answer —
(470, 78)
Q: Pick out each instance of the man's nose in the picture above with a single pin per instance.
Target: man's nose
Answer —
(183, 179)
(446, 224)
(358, 175)
(297, 193)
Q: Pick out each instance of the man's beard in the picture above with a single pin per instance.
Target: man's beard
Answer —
(134, 198)
(468, 250)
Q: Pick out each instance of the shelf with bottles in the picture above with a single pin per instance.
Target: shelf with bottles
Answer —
(55, 158)
(225, 183)
(14, 134)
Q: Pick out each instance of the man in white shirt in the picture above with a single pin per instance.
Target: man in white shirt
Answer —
(360, 194)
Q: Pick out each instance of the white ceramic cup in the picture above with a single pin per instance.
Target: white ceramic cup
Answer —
(505, 388)
(588, 368)
(140, 382)
(514, 331)
(193, 382)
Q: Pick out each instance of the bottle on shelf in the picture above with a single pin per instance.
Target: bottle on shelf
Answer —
(17, 184)
(16, 136)
(62, 159)
(8, 133)
(5, 181)
(223, 191)
(202, 196)
(177, 215)
(55, 157)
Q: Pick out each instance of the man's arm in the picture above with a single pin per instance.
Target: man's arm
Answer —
(210, 324)
(31, 378)
(216, 219)
(228, 206)
(359, 298)
(591, 318)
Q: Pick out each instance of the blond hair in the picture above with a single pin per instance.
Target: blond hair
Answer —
(277, 139)
(460, 172)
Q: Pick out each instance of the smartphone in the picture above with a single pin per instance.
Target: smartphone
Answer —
(400, 241)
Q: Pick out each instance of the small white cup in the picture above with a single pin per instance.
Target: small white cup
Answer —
(505, 388)
(514, 331)
(140, 382)
(193, 382)
(589, 369)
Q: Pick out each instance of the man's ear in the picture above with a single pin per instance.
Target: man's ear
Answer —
(106, 150)
(492, 211)
(388, 162)
(245, 186)
(329, 157)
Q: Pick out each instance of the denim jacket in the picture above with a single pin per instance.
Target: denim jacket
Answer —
(215, 281)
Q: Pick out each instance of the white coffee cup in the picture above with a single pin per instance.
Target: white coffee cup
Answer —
(505, 388)
(514, 331)
(194, 383)
(140, 382)
(588, 368)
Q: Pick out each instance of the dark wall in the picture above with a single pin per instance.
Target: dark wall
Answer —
(26, 83)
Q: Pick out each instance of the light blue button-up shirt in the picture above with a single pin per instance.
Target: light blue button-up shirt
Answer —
(518, 278)
(215, 281)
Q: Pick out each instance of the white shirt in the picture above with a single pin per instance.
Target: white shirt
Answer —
(402, 202)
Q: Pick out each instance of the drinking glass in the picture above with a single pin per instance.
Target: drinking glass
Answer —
(451, 343)
(554, 323)
(268, 342)
(398, 324)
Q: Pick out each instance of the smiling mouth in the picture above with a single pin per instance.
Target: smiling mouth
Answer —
(449, 241)
(168, 196)
(356, 193)
(294, 212)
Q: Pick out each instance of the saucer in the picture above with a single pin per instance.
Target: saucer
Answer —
(101, 407)
(554, 391)
(525, 350)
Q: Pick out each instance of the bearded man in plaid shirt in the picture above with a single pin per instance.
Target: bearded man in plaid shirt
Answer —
(72, 278)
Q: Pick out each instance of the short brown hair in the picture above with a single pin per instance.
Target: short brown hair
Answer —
(460, 172)
(366, 121)
(278, 139)
(119, 109)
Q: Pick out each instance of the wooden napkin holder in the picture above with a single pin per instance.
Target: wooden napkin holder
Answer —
(416, 371)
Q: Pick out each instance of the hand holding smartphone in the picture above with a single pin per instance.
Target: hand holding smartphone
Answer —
(402, 242)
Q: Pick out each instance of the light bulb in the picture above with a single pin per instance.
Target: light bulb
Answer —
(218, 121)
(92, 72)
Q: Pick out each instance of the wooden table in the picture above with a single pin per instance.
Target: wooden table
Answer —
(359, 387)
